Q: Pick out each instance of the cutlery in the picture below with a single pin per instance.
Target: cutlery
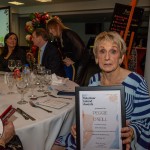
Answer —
(59, 97)
(35, 98)
(33, 105)
(25, 114)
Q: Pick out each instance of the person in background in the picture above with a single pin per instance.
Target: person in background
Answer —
(11, 50)
(7, 135)
(71, 47)
(47, 54)
(109, 50)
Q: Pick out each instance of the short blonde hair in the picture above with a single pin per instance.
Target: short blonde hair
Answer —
(109, 36)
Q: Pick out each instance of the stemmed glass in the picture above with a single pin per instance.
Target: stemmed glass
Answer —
(22, 85)
(41, 77)
(33, 84)
(18, 64)
(48, 79)
(34, 71)
(11, 64)
(10, 81)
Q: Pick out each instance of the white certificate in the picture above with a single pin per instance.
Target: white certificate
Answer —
(100, 117)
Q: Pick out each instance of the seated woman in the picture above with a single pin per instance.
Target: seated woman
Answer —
(109, 50)
(11, 50)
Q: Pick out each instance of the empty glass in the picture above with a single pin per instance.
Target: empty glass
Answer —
(41, 77)
(33, 84)
(10, 81)
(18, 64)
(11, 64)
(48, 79)
(22, 86)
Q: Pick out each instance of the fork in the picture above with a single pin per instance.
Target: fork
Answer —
(33, 105)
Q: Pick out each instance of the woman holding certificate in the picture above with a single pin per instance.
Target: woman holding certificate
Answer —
(109, 49)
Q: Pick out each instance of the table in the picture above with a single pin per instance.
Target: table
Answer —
(40, 134)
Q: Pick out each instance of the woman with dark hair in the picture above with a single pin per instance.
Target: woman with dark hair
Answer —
(11, 50)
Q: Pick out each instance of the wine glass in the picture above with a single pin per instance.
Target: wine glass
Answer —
(11, 64)
(33, 84)
(22, 85)
(18, 64)
(41, 77)
(10, 81)
(48, 79)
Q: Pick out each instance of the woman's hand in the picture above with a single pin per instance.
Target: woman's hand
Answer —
(8, 133)
(67, 61)
(73, 131)
(127, 134)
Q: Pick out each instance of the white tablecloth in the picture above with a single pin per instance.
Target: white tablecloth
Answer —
(40, 134)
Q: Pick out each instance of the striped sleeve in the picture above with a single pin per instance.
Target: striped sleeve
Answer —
(138, 110)
(94, 80)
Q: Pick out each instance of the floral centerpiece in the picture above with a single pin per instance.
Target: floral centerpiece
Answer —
(36, 20)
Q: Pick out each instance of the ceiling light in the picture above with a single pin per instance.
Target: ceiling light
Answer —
(16, 3)
(43, 1)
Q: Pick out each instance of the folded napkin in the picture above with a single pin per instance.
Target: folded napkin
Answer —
(58, 80)
(64, 93)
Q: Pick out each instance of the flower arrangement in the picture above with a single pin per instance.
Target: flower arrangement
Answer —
(36, 20)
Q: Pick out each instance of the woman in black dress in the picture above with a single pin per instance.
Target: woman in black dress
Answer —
(11, 50)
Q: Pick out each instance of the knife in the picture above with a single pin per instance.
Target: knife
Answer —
(60, 97)
(24, 113)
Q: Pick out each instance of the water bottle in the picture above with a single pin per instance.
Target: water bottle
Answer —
(26, 69)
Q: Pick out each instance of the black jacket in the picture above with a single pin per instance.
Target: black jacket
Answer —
(52, 60)
(72, 46)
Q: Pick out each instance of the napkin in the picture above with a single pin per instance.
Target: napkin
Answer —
(58, 80)
(65, 93)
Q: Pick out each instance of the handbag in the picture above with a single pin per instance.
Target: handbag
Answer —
(14, 144)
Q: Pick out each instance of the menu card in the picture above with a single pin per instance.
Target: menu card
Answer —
(57, 104)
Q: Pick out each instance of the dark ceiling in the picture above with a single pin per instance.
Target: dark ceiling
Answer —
(95, 17)
(35, 3)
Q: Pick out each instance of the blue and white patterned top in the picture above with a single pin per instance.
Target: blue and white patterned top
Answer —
(137, 102)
